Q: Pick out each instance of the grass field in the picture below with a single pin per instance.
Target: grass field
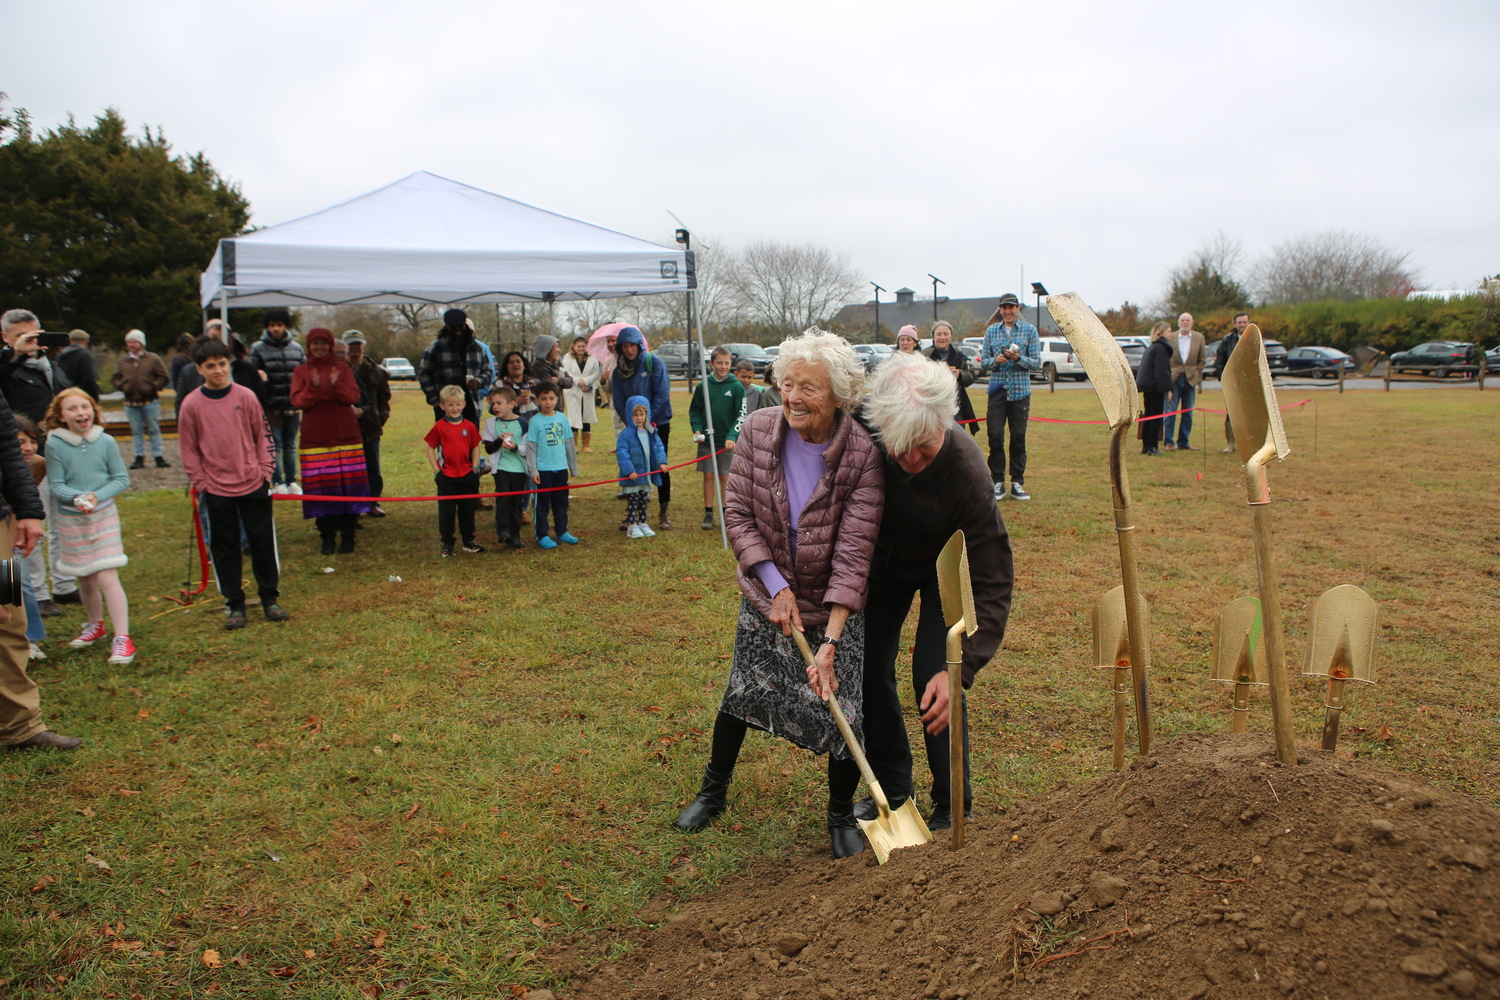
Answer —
(415, 784)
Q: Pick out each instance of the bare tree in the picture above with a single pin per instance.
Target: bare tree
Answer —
(1332, 265)
(789, 287)
(1210, 277)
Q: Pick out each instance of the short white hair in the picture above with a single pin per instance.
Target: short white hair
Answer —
(14, 317)
(911, 401)
(846, 373)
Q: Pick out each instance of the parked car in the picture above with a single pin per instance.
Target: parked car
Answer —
(970, 351)
(1059, 361)
(753, 352)
(873, 354)
(1440, 357)
(1492, 360)
(1317, 362)
(1135, 350)
(773, 351)
(398, 368)
(1275, 358)
(679, 356)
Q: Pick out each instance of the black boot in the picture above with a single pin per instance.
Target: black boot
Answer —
(709, 803)
(346, 541)
(328, 542)
(866, 809)
(843, 831)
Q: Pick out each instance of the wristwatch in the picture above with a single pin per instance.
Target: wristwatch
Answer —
(830, 640)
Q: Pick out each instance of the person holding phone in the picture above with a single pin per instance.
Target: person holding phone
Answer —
(27, 378)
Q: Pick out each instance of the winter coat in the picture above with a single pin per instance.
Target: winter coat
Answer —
(278, 359)
(649, 379)
(836, 531)
(26, 386)
(374, 398)
(329, 406)
(954, 358)
(18, 492)
(629, 454)
(1155, 372)
(84, 464)
(77, 362)
(545, 371)
(141, 379)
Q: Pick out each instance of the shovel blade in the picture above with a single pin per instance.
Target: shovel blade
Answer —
(1111, 634)
(1251, 395)
(891, 831)
(954, 587)
(1342, 631)
(1239, 643)
(1099, 353)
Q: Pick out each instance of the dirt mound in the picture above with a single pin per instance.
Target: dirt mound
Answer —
(1206, 870)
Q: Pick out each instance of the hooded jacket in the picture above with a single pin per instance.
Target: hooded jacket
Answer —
(628, 451)
(329, 405)
(836, 531)
(648, 378)
(278, 359)
(546, 371)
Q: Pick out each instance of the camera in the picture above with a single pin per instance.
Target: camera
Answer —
(45, 339)
(10, 582)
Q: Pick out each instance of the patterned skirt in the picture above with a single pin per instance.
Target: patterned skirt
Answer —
(88, 543)
(335, 472)
(768, 686)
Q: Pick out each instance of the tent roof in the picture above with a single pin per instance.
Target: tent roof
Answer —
(426, 239)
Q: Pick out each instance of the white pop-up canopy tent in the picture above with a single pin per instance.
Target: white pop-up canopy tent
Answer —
(426, 239)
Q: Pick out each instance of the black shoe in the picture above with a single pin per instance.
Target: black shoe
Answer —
(234, 619)
(447, 551)
(70, 598)
(516, 543)
(47, 609)
(712, 799)
(48, 740)
(866, 809)
(346, 542)
(942, 818)
(162, 463)
(377, 511)
(329, 545)
(844, 840)
(275, 613)
(1186, 447)
(473, 548)
(139, 463)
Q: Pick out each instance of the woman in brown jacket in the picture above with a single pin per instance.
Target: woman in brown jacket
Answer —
(803, 502)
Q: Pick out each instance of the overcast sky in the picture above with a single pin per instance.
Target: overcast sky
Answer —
(1093, 144)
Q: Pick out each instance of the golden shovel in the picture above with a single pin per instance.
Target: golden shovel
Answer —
(1110, 374)
(1259, 437)
(957, 594)
(1239, 653)
(1112, 652)
(1342, 642)
(893, 828)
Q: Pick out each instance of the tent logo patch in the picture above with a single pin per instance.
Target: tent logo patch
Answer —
(669, 270)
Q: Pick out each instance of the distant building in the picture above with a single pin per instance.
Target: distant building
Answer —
(908, 309)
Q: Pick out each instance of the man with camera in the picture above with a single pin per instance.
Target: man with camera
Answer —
(21, 726)
(27, 378)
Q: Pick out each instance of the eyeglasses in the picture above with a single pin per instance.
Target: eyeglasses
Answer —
(806, 389)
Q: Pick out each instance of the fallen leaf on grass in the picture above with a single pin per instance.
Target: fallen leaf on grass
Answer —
(413, 810)
(309, 953)
(126, 791)
(127, 945)
(314, 724)
(396, 738)
(239, 960)
(85, 811)
(378, 751)
(543, 924)
(211, 959)
(379, 941)
(98, 863)
(283, 971)
(43, 882)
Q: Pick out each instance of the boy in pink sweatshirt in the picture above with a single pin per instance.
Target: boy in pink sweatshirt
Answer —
(227, 453)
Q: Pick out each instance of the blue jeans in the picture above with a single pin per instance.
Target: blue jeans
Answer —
(1180, 398)
(145, 421)
(35, 630)
(284, 429)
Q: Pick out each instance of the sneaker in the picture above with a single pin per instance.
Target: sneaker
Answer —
(707, 524)
(447, 551)
(1018, 492)
(92, 633)
(122, 652)
(502, 540)
(234, 619)
(294, 489)
(568, 538)
(547, 542)
(646, 531)
(473, 548)
(36, 653)
(999, 491)
(162, 463)
(634, 531)
(516, 543)
(279, 490)
(276, 613)
(47, 609)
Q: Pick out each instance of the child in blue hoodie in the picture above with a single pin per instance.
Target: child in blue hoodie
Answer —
(643, 458)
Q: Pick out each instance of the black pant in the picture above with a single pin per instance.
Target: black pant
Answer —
(508, 509)
(372, 467)
(729, 736)
(892, 588)
(1151, 429)
(226, 515)
(448, 486)
(1003, 412)
(663, 431)
(552, 500)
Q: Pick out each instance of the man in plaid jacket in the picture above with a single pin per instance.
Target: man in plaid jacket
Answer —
(455, 358)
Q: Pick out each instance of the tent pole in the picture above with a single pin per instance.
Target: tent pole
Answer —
(223, 312)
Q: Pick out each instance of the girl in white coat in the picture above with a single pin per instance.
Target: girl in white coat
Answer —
(579, 400)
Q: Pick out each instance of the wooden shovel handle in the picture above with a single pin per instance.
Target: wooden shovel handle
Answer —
(956, 775)
(855, 750)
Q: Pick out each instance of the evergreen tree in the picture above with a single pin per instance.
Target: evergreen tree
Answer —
(106, 232)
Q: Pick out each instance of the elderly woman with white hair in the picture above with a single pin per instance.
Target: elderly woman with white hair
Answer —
(936, 483)
(802, 508)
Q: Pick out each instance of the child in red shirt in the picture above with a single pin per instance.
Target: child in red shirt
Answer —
(453, 449)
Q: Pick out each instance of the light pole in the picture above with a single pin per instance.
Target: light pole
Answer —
(1038, 289)
(935, 282)
(878, 290)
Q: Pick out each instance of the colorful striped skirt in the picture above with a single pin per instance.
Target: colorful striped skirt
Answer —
(335, 472)
(88, 543)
